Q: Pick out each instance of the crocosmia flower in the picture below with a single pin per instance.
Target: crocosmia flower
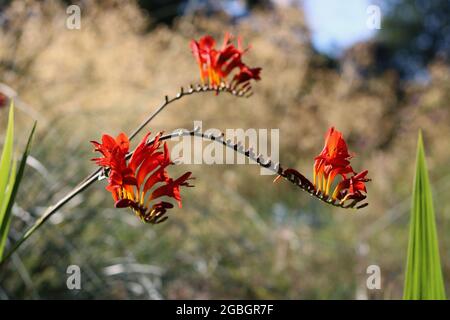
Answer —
(140, 182)
(352, 188)
(334, 161)
(217, 64)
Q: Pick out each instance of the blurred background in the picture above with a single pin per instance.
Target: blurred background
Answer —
(237, 235)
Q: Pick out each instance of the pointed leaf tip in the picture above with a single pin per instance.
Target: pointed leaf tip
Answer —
(423, 276)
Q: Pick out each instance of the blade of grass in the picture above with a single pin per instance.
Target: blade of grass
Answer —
(7, 176)
(6, 221)
(4, 227)
(423, 278)
(5, 162)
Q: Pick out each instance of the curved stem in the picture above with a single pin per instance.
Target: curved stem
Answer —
(289, 174)
(182, 93)
(48, 213)
(191, 90)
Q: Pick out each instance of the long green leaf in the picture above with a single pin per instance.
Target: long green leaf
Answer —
(423, 278)
(5, 162)
(6, 221)
(4, 227)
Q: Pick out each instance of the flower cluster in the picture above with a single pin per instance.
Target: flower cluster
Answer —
(217, 64)
(334, 161)
(139, 181)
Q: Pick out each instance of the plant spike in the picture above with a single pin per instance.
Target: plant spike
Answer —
(423, 276)
(8, 194)
(198, 88)
(289, 174)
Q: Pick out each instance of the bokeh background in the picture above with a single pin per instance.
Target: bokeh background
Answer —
(237, 235)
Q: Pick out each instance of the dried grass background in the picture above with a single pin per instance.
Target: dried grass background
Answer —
(238, 235)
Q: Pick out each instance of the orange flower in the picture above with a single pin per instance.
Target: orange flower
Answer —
(142, 179)
(333, 161)
(216, 64)
(109, 146)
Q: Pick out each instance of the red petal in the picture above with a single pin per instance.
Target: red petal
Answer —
(159, 175)
(172, 188)
(123, 203)
(140, 153)
(149, 165)
(123, 142)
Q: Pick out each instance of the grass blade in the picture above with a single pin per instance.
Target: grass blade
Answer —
(6, 221)
(14, 183)
(6, 158)
(423, 278)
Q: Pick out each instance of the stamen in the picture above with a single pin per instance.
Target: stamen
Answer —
(314, 176)
(329, 181)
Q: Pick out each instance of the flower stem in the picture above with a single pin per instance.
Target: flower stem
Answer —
(167, 101)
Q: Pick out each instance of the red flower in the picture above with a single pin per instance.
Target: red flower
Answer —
(352, 188)
(142, 179)
(246, 74)
(333, 161)
(110, 146)
(216, 64)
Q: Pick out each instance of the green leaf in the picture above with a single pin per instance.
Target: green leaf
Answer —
(6, 221)
(9, 178)
(423, 278)
(14, 183)
(5, 162)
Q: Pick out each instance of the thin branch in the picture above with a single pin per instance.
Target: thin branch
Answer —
(192, 89)
(289, 174)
